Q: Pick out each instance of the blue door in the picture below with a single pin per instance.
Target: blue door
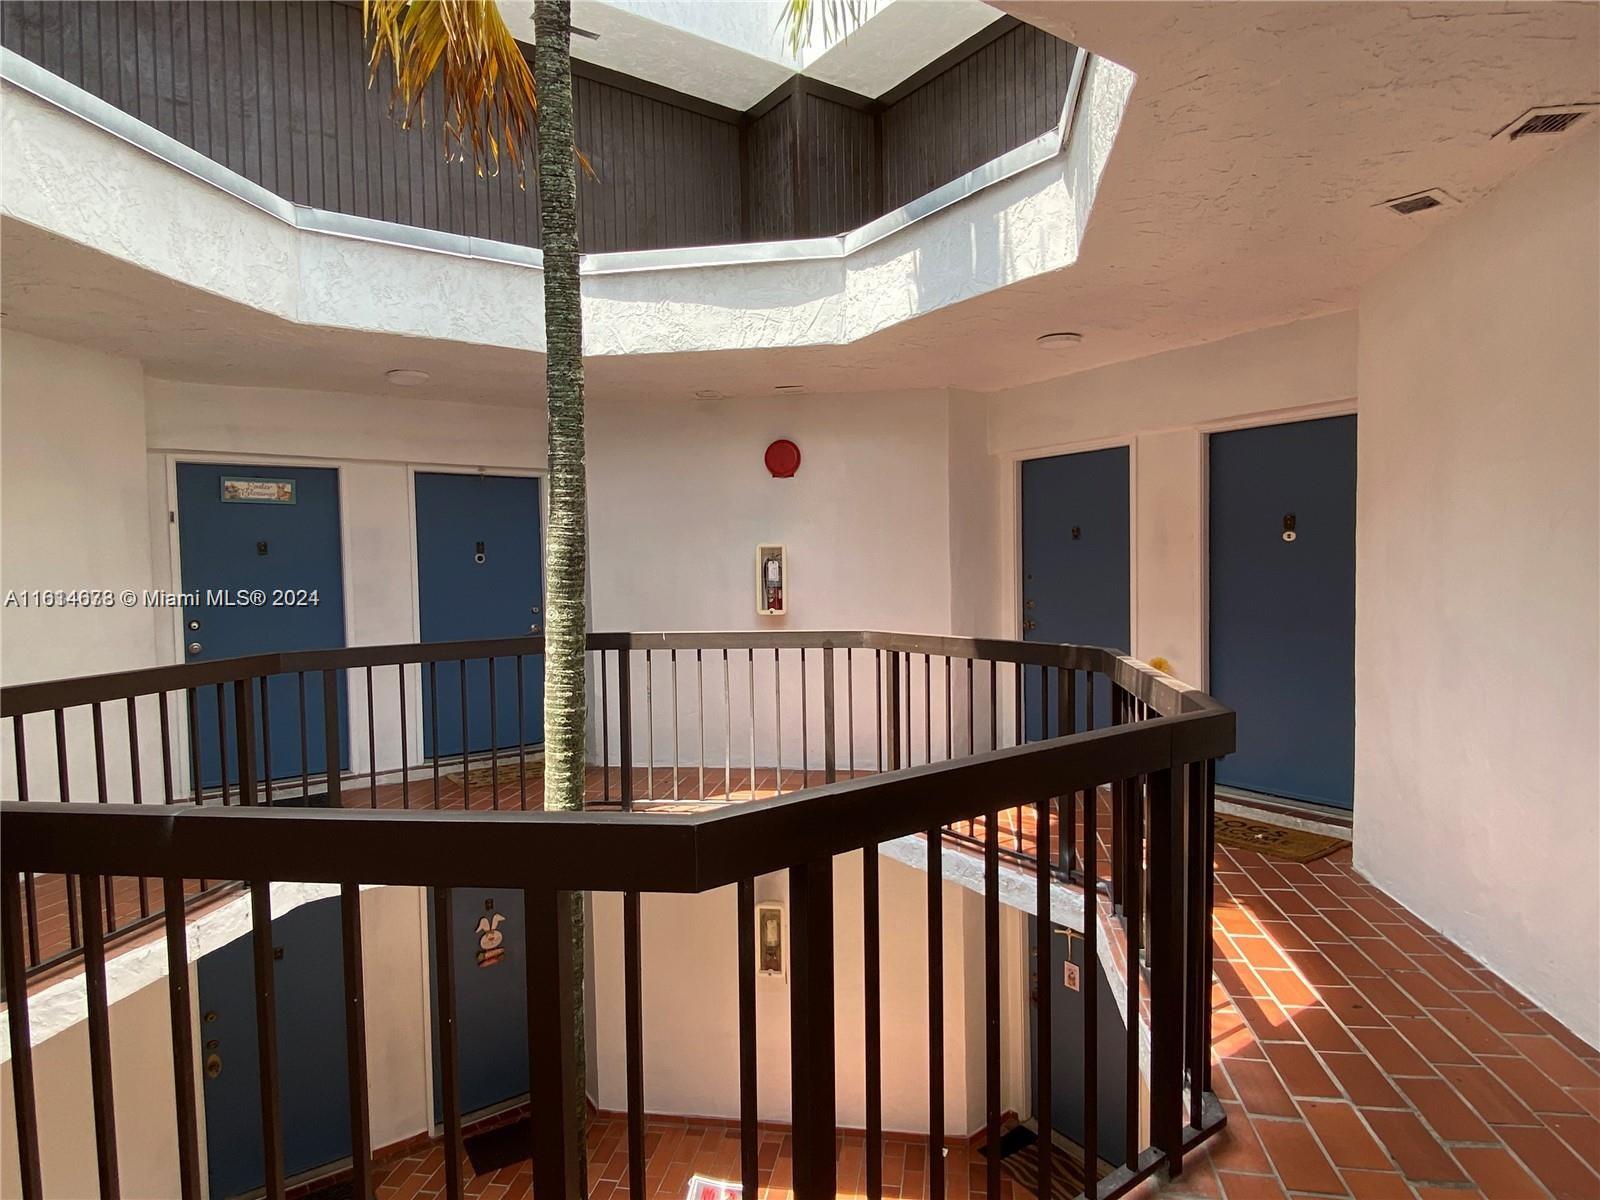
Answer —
(491, 994)
(259, 552)
(309, 982)
(1067, 1108)
(479, 575)
(1283, 608)
(1075, 566)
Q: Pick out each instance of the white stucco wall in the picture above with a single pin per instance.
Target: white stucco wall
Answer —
(679, 499)
(691, 1003)
(1163, 407)
(72, 516)
(74, 180)
(71, 436)
(1477, 654)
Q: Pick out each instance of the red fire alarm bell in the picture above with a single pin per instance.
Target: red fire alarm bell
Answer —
(783, 459)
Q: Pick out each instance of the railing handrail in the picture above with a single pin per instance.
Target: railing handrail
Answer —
(1166, 695)
(1148, 767)
(592, 850)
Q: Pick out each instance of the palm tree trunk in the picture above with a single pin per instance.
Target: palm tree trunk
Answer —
(566, 611)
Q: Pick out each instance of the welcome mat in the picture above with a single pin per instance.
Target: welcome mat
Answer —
(485, 777)
(1019, 1158)
(1275, 841)
(500, 1147)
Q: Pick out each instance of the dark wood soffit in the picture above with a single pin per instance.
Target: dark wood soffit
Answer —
(989, 33)
(654, 91)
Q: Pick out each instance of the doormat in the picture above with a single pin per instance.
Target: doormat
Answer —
(1019, 1158)
(484, 777)
(341, 1189)
(1275, 841)
(500, 1147)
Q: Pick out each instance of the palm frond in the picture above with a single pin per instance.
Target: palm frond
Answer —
(490, 105)
(800, 19)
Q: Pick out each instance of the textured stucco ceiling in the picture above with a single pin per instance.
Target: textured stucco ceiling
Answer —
(1239, 195)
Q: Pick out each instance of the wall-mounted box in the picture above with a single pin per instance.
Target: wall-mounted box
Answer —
(772, 581)
(772, 943)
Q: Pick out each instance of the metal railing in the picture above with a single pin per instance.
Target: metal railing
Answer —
(1074, 765)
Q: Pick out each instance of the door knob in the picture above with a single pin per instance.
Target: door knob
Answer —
(194, 647)
(213, 1065)
(1029, 626)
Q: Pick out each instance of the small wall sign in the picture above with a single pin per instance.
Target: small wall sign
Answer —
(257, 491)
(490, 939)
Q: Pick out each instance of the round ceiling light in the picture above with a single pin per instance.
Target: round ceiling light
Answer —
(404, 377)
(1059, 341)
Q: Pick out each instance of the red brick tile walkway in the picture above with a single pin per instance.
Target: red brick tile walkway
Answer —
(1358, 1053)
(677, 1149)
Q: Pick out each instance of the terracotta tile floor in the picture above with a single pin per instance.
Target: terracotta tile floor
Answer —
(677, 1149)
(1358, 1053)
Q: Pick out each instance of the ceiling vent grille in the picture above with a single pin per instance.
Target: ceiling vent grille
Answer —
(1415, 204)
(1418, 202)
(1546, 123)
(1550, 119)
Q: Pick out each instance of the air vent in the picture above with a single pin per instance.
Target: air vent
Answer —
(1418, 202)
(1549, 119)
(1548, 123)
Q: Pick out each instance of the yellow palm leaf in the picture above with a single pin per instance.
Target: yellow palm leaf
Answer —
(485, 83)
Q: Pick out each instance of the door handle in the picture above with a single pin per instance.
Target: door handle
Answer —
(194, 647)
(213, 1065)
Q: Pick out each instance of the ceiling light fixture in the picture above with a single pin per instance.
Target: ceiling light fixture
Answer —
(1059, 341)
(710, 394)
(405, 377)
(789, 387)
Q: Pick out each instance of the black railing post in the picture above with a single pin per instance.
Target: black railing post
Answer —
(244, 726)
(552, 1097)
(1166, 970)
(355, 1038)
(625, 724)
(811, 1039)
(330, 736)
(830, 762)
(892, 712)
(749, 1128)
(16, 989)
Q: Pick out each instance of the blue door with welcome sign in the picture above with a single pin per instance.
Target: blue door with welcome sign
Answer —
(1283, 606)
(262, 571)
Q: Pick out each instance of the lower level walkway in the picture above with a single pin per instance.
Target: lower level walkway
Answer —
(1358, 1053)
